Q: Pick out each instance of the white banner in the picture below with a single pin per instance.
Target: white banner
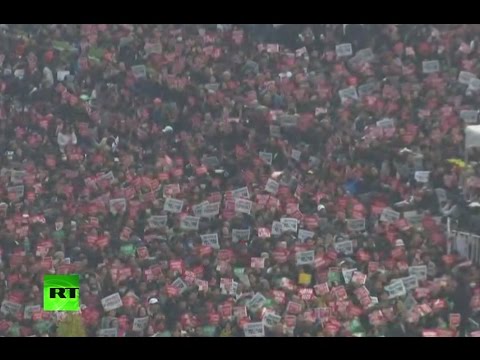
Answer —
(305, 257)
(240, 235)
(289, 224)
(344, 247)
(389, 215)
(210, 240)
(190, 223)
(210, 209)
(157, 221)
(241, 193)
(173, 205)
(356, 224)
(243, 206)
(305, 235)
(112, 302)
(272, 186)
(255, 329)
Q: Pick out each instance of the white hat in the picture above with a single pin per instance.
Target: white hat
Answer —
(167, 129)
(153, 301)
(399, 242)
(320, 207)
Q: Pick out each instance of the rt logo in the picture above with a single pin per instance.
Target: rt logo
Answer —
(61, 293)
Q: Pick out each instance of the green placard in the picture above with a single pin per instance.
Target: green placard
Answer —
(96, 53)
(127, 250)
(238, 271)
(62, 46)
(334, 276)
(355, 326)
(209, 330)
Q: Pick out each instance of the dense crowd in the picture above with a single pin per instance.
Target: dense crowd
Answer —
(237, 180)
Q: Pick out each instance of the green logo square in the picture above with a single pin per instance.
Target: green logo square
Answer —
(61, 293)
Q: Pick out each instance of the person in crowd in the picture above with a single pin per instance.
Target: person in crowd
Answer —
(239, 180)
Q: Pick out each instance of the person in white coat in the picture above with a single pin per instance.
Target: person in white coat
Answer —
(66, 137)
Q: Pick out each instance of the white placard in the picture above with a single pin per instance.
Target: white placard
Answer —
(366, 89)
(180, 285)
(365, 55)
(110, 332)
(140, 324)
(465, 76)
(243, 206)
(305, 257)
(289, 224)
(198, 209)
(386, 123)
(344, 247)
(118, 205)
(344, 50)
(389, 215)
(347, 274)
(469, 116)
(210, 161)
(275, 131)
(173, 205)
(356, 224)
(190, 223)
(422, 176)
(296, 154)
(395, 289)
(256, 302)
(139, 71)
(271, 319)
(474, 84)
(213, 87)
(241, 193)
(277, 228)
(240, 235)
(255, 329)
(287, 120)
(107, 177)
(266, 156)
(413, 217)
(349, 93)
(410, 282)
(153, 48)
(419, 271)
(272, 186)
(18, 190)
(61, 74)
(10, 307)
(305, 235)
(112, 302)
(210, 209)
(157, 221)
(210, 240)
(430, 67)
(16, 177)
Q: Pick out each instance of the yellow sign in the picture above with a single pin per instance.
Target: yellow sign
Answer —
(304, 279)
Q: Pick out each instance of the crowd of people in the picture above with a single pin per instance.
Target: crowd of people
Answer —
(237, 180)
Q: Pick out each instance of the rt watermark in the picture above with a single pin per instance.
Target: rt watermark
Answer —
(61, 293)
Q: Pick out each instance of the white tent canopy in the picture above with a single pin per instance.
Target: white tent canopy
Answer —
(472, 136)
